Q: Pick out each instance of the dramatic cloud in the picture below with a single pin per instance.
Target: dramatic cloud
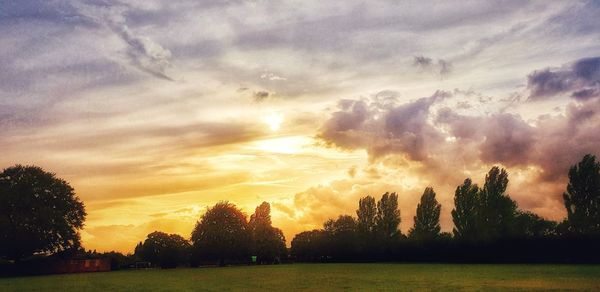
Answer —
(452, 143)
(414, 130)
(580, 80)
(501, 138)
(382, 128)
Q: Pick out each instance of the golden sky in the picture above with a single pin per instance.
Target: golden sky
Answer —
(155, 110)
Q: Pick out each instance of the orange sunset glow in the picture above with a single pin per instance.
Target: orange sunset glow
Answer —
(154, 111)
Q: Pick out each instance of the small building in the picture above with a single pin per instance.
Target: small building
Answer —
(80, 266)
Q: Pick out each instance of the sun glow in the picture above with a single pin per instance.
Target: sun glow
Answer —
(283, 145)
(274, 121)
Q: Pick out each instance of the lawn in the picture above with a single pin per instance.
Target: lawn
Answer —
(325, 277)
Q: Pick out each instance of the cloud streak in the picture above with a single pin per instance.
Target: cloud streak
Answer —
(142, 52)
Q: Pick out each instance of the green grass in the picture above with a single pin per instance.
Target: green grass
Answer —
(322, 277)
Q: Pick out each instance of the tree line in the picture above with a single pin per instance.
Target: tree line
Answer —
(222, 236)
(40, 216)
(488, 226)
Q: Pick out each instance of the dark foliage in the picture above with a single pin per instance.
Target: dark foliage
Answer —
(366, 226)
(310, 246)
(582, 198)
(388, 218)
(222, 235)
(496, 210)
(372, 236)
(39, 213)
(268, 242)
(164, 250)
(530, 225)
(427, 219)
(341, 237)
(488, 227)
(464, 214)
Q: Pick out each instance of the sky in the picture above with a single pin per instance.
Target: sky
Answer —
(155, 110)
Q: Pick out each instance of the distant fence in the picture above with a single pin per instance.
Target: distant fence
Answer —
(54, 266)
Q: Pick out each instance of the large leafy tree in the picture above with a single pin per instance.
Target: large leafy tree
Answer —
(582, 198)
(221, 234)
(164, 250)
(268, 242)
(388, 217)
(464, 214)
(39, 213)
(427, 218)
(497, 211)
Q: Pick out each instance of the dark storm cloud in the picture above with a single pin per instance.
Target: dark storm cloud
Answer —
(580, 80)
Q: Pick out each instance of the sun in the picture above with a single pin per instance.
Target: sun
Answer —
(274, 121)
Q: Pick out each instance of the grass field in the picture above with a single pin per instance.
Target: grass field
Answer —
(325, 277)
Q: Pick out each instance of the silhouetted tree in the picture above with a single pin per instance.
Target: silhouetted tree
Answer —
(366, 216)
(366, 225)
(138, 251)
(309, 245)
(388, 216)
(528, 224)
(39, 213)
(496, 212)
(427, 218)
(221, 234)
(164, 250)
(268, 243)
(464, 214)
(342, 237)
(582, 198)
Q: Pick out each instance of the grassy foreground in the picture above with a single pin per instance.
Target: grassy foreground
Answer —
(325, 277)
